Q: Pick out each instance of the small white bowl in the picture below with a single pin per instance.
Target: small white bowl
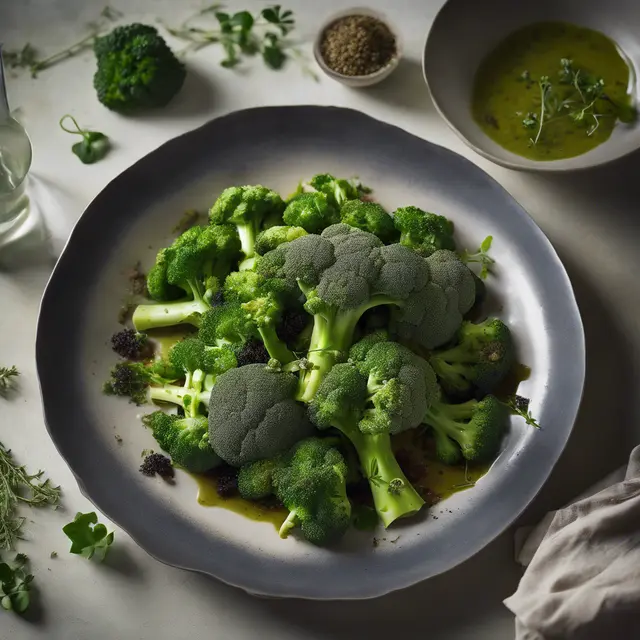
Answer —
(465, 31)
(371, 78)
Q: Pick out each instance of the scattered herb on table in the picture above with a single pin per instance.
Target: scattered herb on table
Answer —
(574, 94)
(94, 145)
(243, 34)
(7, 377)
(357, 45)
(88, 536)
(18, 486)
(28, 58)
(15, 584)
(481, 256)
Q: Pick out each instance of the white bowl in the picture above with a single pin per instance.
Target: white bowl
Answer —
(465, 31)
(371, 78)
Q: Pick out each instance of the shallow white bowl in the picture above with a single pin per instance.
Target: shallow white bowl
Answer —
(465, 31)
(371, 78)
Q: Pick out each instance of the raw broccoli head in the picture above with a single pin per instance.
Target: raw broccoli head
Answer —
(400, 386)
(311, 211)
(186, 440)
(423, 232)
(311, 484)
(371, 217)
(255, 480)
(477, 427)
(482, 357)
(273, 237)
(253, 414)
(337, 190)
(136, 69)
(251, 209)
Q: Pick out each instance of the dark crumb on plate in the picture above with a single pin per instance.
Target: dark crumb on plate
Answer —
(156, 463)
(118, 439)
(375, 542)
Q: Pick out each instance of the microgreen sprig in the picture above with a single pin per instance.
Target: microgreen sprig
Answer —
(94, 145)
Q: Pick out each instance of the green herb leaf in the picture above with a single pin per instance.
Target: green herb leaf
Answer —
(7, 374)
(274, 57)
(94, 145)
(15, 585)
(88, 537)
(481, 256)
(242, 19)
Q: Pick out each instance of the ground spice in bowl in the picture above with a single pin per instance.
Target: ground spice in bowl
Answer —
(357, 45)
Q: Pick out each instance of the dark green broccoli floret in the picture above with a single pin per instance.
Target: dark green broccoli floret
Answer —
(132, 379)
(275, 236)
(423, 232)
(194, 264)
(252, 352)
(475, 426)
(310, 481)
(136, 69)
(341, 402)
(251, 209)
(130, 344)
(185, 439)
(337, 190)
(371, 217)
(311, 211)
(253, 414)
(482, 357)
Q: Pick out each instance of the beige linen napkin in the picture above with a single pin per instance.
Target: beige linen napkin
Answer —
(583, 567)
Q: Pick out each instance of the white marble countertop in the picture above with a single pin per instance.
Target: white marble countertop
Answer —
(591, 218)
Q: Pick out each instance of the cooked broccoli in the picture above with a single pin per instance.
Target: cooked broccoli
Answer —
(227, 324)
(310, 481)
(130, 344)
(480, 359)
(311, 211)
(136, 69)
(337, 190)
(273, 237)
(193, 266)
(371, 217)
(476, 426)
(253, 414)
(251, 209)
(341, 402)
(199, 365)
(132, 379)
(423, 232)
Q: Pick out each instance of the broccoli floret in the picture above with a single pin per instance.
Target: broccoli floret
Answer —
(195, 263)
(423, 232)
(252, 352)
(371, 217)
(310, 481)
(132, 379)
(199, 365)
(156, 463)
(227, 323)
(130, 344)
(185, 439)
(476, 426)
(275, 236)
(251, 209)
(431, 317)
(341, 402)
(337, 190)
(136, 69)
(482, 357)
(311, 211)
(253, 414)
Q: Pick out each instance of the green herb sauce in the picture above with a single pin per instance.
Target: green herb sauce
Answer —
(526, 80)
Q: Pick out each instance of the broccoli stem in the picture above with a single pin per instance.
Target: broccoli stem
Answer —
(290, 523)
(168, 314)
(276, 348)
(450, 419)
(174, 394)
(247, 234)
(380, 466)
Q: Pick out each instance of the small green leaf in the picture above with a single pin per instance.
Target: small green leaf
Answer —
(273, 57)
(6, 603)
(88, 537)
(6, 573)
(242, 19)
(486, 244)
(270, 14)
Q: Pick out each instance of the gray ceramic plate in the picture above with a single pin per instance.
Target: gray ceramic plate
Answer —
(277, 146)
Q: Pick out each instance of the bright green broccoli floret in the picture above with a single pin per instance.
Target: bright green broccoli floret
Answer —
(480, 360)
(136, 69)
(253, 414)
(251, 209)
(311, 211)
(476, 427)
(199, 365)
(185, 439)
(341, 402)
(194, 264)
(371, 217)
(423, 232)
(227, 324)
(273, 237)
(255, 480)
(337, 190)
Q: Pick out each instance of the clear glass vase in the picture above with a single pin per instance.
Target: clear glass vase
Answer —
(15, 161)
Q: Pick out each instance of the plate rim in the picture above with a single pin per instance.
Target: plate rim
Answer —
(313, 593)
